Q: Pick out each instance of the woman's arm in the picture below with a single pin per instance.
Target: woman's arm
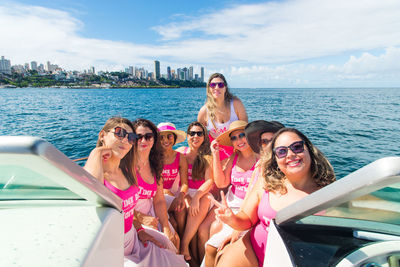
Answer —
(240, 110)
(221, 176)
(194, 207)
(94, 164)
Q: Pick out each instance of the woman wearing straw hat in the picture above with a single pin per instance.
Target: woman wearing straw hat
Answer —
(237, 173)
(174, 164)
(220, 110)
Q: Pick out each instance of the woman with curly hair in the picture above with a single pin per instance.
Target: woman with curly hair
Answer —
(151, 209)
(220, 110)
(295, 169)
(200, 181)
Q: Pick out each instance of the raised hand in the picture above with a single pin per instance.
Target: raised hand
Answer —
(223, 213)
(215, 147)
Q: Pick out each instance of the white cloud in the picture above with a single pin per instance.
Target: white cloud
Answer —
(256, 45)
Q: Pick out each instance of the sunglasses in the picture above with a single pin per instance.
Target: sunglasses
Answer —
(147, 136)
(220, 85)
(239, 136)
(121, 133)
(265, 141)
(296, 147)
(168, 136)
(193, 133)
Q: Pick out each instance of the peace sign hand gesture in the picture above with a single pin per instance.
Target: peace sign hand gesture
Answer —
(223, 213)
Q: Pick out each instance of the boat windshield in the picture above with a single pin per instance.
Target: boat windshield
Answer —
(378, 211)
(21, 182)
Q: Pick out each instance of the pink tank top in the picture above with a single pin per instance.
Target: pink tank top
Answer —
(240, 180)
(146, 190)
(129, 198)
(170, 172)
(192, 184)
(259, 233)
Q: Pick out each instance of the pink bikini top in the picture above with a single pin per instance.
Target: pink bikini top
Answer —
(146, 191)
(240, 180)
(129, 198)
(192, 184)
(170, 172)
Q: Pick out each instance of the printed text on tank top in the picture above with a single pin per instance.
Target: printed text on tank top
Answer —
(170, 172)
(240, 180)
(130, 197)
(220, 128)
(146, 190)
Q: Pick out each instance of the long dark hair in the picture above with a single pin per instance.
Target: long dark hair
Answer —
(126, 162)
(203, 157)
(321, 170)
(156, 154)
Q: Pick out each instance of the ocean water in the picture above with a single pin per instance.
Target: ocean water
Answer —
(353, 127)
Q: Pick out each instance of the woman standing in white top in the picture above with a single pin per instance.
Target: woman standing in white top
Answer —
(220, 110)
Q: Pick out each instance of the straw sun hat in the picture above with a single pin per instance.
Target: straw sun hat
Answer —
(255, 129)
(170, 127)
(224, 139)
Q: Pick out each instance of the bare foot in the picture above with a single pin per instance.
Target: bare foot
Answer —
(185, 252)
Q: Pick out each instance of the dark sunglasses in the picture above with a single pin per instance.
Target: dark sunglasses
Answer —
(193, 133)
(168, 136)
(220, 85)
(239, 136)
(265, 141)
(121, 133)
(147, 136)
(281, 151)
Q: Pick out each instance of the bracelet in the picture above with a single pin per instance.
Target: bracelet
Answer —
(139, 229)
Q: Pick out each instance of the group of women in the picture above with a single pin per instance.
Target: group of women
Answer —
(209, 203)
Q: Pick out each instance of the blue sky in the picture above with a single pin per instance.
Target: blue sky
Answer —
(297, 43)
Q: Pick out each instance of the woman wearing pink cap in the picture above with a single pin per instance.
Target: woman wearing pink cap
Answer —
(220, 110)
(174, 174)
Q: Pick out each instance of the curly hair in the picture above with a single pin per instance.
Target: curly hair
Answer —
(321, 170)
(203, 157)
(210, 101)
(126, 162)
(156, 154)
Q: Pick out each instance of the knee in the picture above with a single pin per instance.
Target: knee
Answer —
(203, 231)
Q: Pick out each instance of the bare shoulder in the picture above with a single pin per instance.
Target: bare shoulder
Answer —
(202, 116)
(181, 150)
(240, 110)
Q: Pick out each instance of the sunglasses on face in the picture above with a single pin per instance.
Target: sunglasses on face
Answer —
(220, 85)
(121, 133)
(239, 136)
(147, 136)
(168, 136)
(265, 141)
(281, 151)
(193, 133)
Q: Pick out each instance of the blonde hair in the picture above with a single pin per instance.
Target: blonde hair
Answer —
(210, 101)
(321, 170)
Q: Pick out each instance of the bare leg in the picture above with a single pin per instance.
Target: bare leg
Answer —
(238, 254)
(204, 232)
(192, 224)
(209, 258)
(180, 217)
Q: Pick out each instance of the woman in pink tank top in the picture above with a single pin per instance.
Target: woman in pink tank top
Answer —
(220, 110)
(111, 163)
(200, 181)
(237, 173)
(175, 172)
(151, 209)
(290, 173)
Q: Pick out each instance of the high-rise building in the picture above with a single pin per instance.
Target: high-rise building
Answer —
(169, 77)
(34, 65)
(202, 74)
(157, 69)
(190, 74)
(5, 66)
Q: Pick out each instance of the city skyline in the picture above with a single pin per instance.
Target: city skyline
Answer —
(282, 43)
